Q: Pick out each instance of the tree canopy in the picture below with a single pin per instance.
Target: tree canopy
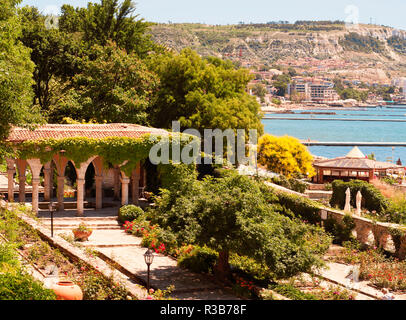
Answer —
(16, 71)
(285, 155)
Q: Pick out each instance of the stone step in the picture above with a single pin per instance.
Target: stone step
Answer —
(313, 186)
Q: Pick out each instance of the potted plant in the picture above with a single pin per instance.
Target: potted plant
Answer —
(82, 232)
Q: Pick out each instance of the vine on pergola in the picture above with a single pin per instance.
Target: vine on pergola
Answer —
(114, 150)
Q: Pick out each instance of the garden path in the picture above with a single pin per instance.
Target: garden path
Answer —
(125, 251)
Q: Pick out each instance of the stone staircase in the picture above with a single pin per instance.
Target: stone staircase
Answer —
(318, 192)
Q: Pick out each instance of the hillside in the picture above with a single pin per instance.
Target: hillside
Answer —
(369, 52)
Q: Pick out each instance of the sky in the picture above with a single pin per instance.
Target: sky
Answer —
(389, 12)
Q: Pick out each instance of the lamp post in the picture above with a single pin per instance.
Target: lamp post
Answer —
(149, 258)
(51, 210)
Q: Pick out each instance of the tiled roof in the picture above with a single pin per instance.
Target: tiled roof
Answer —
(355, 163)
(96, 131)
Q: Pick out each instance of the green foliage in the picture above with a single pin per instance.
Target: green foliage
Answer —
(113, 87)
(200, 259)
(292, 206)
(397, 43)
(21, 286)
(357, 42)
(114, 150)
(16, 71)
(290, 291)
(285, 155)
(130, 213)
(341, 231)
(202, 93)
(292, 183)
(108, 21)
(232, 214)
(373, 200)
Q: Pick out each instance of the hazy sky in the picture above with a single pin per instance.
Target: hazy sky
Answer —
(388, 12)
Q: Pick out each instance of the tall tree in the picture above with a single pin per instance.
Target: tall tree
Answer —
(202, 93)
(109, 21)
(55, 56)
(113, 87)
(16, 70)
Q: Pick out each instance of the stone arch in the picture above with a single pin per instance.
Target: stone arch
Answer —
(386, 242)
(21, 166)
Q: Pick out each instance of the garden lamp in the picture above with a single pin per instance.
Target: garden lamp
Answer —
(51, 210)
(149, 258)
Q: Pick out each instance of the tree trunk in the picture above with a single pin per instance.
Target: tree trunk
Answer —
(222, 269)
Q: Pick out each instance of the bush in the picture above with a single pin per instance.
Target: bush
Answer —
(372, 198)
(341, 231)
(292, 183)
(295, 206)
(199, 259)
(130, 213)
(21, 286)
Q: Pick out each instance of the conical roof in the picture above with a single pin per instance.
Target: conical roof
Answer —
(355, 153)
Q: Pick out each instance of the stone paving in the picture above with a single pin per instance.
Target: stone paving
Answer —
(114, 245)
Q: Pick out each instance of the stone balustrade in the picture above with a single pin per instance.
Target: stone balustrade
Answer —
(391, 237)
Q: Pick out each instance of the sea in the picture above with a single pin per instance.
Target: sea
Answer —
(318, 129)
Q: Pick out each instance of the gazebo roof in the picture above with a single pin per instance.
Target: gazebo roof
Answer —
(96, 131)
(355, 153)
(355, 163)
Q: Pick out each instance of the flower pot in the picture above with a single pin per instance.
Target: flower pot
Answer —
(67, 290)
(82, 235)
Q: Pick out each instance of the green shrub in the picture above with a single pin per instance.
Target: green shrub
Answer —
(372, 198)
(295, 206)
(341, 231)
(290, 291)
(200, 259)
(21, 286)
(130, 213)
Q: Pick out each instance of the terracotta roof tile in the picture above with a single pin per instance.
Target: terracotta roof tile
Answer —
(96, 131)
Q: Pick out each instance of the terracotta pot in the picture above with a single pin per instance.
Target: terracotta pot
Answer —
(82, 235)
(67, 290)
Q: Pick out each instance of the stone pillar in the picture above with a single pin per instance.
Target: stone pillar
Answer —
(35, 194)
(60, 192)
(80, 196)
(21, 166)
(99, 192)
(135, 186)
(47, 182)
(116, 183)
(125, 181)
(10, 176)
(35, 166)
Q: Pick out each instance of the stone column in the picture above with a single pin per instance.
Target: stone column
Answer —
(99, 192)
(60, 192)
(35, 194)
(116, 183)
(47, 182)
(21, 166)
(125, 181)
(135, 187)
(80, 196)
(35, 166)
(10, 176)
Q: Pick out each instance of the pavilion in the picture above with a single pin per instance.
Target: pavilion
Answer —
(355, 165)
(59, 162)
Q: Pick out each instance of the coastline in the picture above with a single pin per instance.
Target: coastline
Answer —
(287, 107)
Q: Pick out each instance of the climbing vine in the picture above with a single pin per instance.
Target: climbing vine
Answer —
(114, 150)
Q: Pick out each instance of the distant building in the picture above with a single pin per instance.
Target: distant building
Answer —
(320, 91)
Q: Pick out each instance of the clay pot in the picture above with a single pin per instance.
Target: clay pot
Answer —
(82, 235)
(67, 290)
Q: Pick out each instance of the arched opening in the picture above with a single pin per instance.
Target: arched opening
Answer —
(70, 184)
(90, 181)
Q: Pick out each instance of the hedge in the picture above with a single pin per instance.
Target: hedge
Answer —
(372, 198)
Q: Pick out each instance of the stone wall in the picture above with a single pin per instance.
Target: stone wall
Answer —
(391, 237)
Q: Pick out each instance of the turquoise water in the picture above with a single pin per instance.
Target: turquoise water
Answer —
(360, 131)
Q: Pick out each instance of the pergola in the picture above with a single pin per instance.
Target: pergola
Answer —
(60, 161)
(355, 165)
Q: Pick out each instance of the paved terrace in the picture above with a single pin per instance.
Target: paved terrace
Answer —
(116, 246)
